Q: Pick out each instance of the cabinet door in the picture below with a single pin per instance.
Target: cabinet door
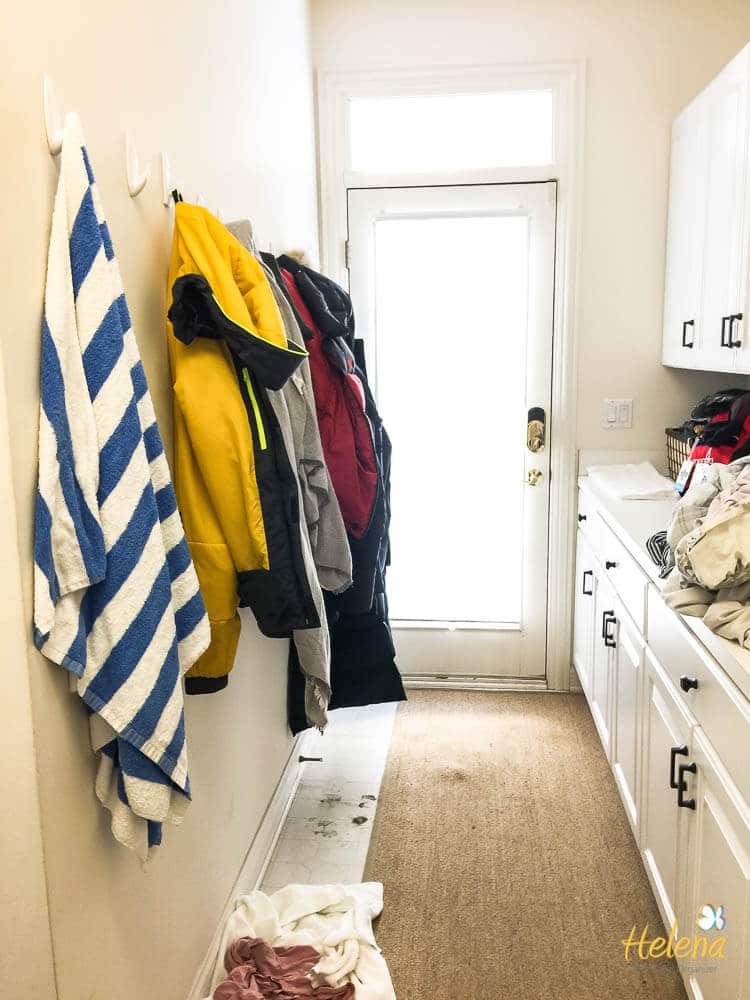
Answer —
(720, 877)
(583, 622)
(663, 831)
(682, 338)
(726, 216)
(626, 680)
(600, 696)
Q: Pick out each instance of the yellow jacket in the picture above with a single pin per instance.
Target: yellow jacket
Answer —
(214, 463)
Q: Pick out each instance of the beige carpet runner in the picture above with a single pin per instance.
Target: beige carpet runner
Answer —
(510, 871)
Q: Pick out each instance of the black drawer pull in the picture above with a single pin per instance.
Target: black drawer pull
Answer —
(609, 564)
(682, 770)
(685, 325)
(688, 683)
(674, 753)
(736, 318)
(587, 593)
(608, 618)
(724, 341)
(581, 517)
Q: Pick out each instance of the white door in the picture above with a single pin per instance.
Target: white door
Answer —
(453, 289)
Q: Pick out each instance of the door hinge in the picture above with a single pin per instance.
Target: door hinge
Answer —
(347, 254)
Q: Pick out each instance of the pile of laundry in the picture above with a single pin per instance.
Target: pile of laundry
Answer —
(708, 550)
(303, 941)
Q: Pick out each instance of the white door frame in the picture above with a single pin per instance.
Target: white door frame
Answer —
(335, 88)
(460, 649)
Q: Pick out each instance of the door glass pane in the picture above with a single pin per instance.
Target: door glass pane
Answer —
(451, 131)
(451, 319)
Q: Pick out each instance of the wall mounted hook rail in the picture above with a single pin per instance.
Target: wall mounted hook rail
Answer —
(52, 119)
(137, 178)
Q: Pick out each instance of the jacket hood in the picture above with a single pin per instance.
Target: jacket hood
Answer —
(220, 292)
(273, 265)
(195, 312)
(329, 305)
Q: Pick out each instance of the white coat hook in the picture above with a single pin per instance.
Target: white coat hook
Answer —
(52, 119)
(166, 180)
(137, 178)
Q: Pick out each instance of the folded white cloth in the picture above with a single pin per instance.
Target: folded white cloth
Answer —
(336, 920)
(632, 482)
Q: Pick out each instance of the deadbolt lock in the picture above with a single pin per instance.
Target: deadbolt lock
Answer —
(533, 476)
(535, 429)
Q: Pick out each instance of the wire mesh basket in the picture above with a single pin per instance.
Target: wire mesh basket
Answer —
(679, 445)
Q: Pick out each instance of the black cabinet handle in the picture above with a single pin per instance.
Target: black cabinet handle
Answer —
(685, 325)
(682, 770)
(736, 318)
(688, 683)
(587, 593)
(609, 564)
(674, 753)
(724, 322)
(581, 517)
(608, 618)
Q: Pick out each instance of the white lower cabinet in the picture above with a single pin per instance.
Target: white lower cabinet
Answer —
(627, 668)
(666, 747)
(583, 623)
(676, 731)
(718, 876)
(605, 632)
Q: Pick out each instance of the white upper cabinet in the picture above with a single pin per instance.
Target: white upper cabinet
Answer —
(706, 288)
(725, 250)
(687, 222)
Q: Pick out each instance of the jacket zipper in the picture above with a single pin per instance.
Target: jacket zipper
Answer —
(256, 410)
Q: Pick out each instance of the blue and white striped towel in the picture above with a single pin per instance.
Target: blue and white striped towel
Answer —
(116, 598)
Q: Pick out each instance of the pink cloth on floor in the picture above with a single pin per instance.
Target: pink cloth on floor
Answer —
(257, 971)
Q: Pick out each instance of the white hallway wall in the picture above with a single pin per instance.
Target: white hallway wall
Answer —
(645, 62)
(226, 90)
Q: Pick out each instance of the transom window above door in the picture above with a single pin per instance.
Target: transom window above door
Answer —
(449, 132)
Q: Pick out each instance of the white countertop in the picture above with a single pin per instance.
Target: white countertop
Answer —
(634, 522)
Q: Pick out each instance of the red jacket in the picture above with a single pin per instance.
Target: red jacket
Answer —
(345, 430)
(723, 440)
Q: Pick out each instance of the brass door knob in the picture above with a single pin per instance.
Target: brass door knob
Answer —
(533, 476)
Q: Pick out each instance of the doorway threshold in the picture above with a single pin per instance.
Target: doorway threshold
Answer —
(472, 682)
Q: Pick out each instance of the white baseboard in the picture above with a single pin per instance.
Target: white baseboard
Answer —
(258, 856)
(461, 682)
(575, 684)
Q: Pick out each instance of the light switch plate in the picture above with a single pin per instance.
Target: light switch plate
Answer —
(617, 414)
